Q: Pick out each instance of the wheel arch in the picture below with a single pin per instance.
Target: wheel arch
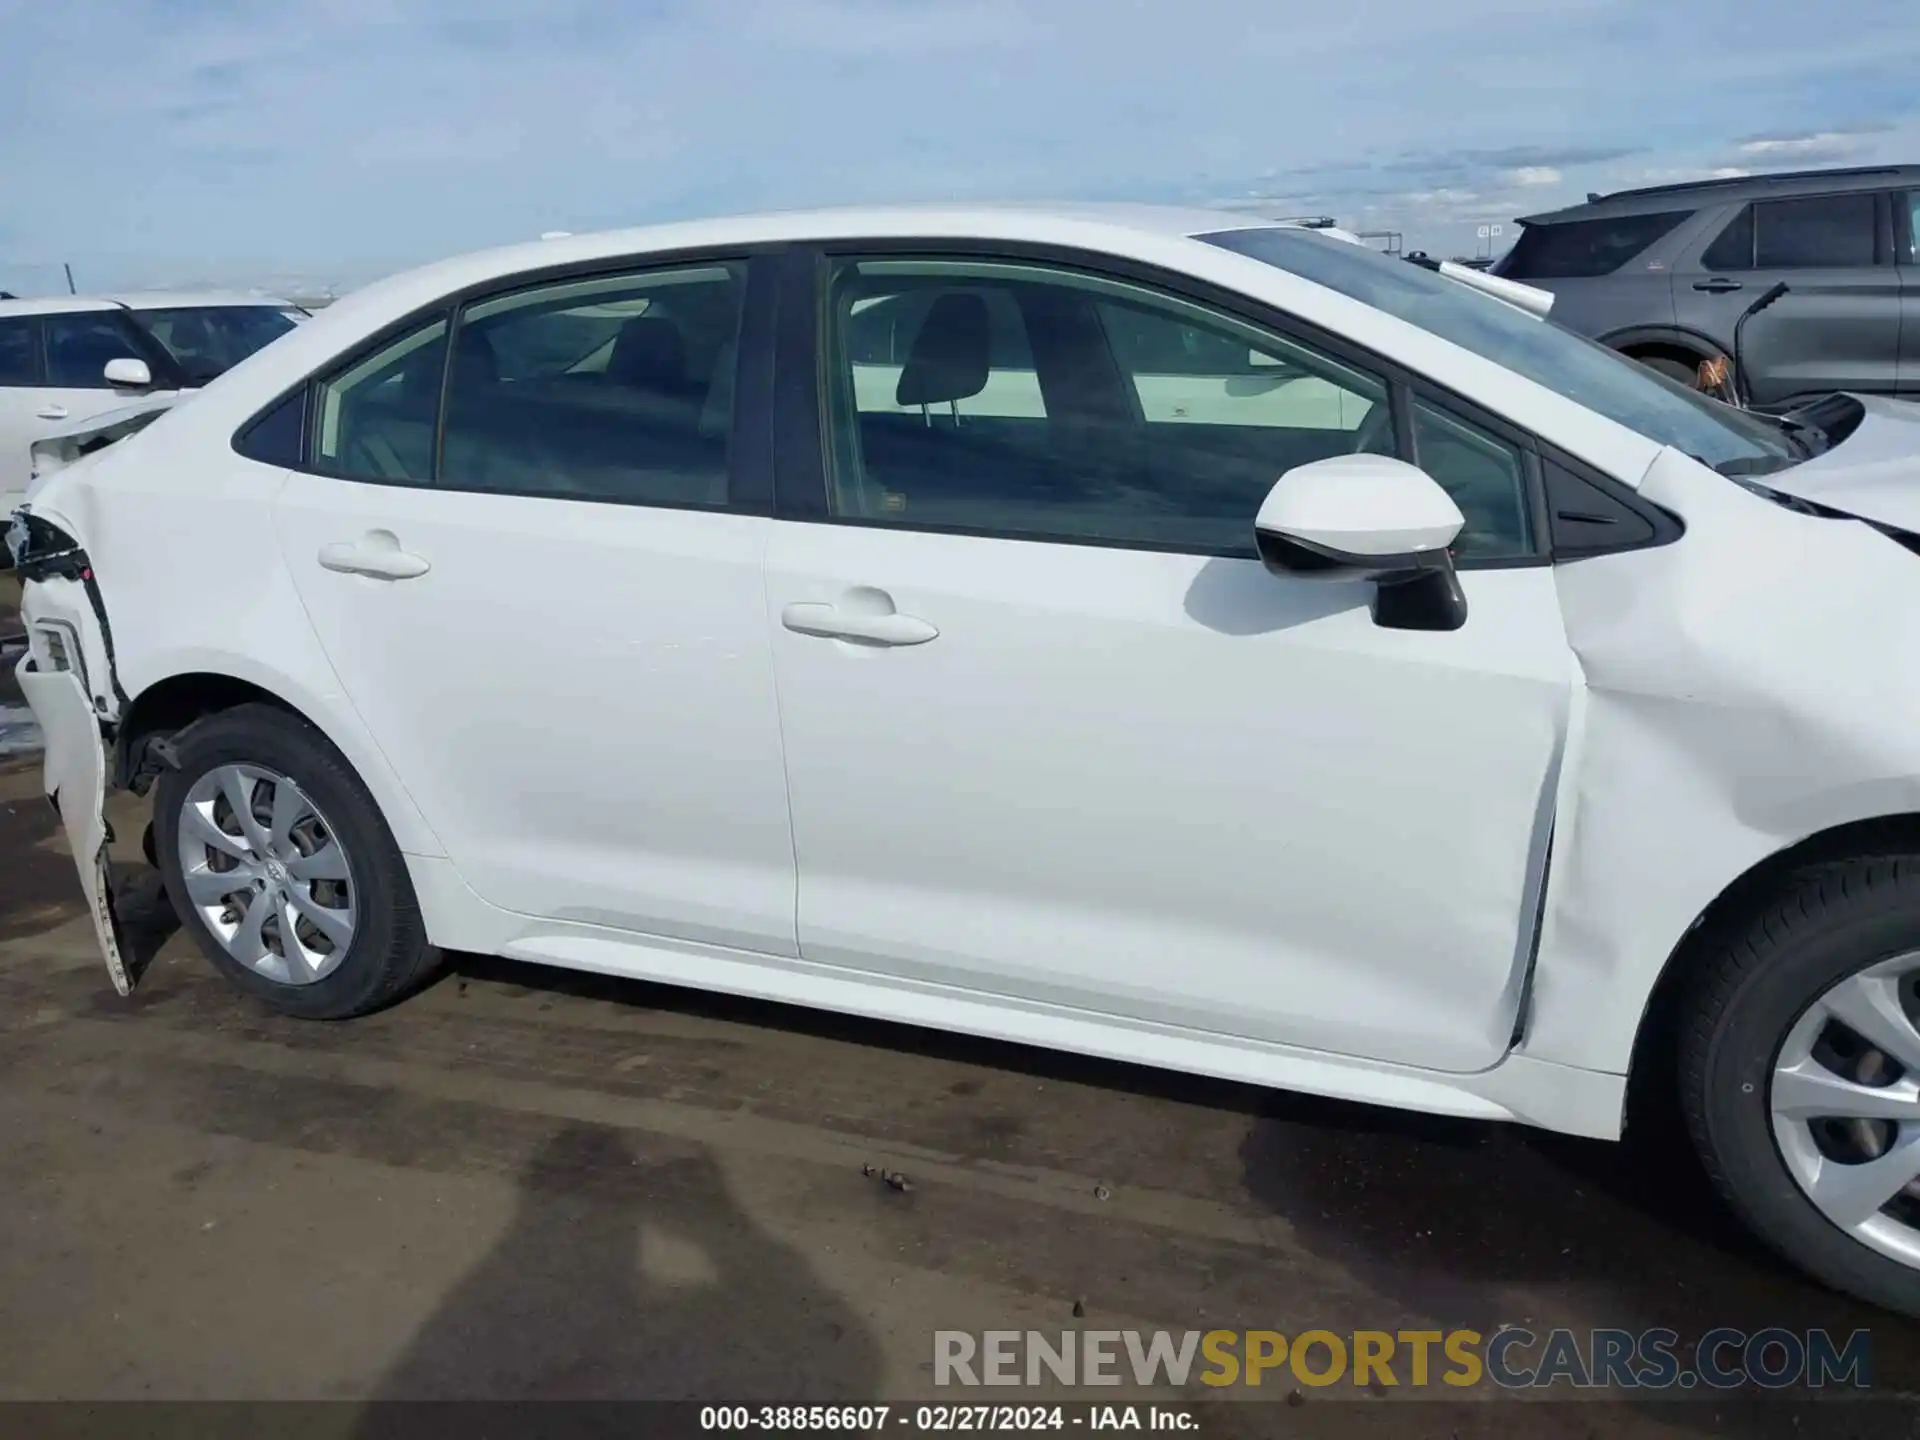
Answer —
(1655, 339)
(169, 703)
(1652, 1058)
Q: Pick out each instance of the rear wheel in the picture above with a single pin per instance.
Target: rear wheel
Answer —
(1800, 1076)
(280, 866)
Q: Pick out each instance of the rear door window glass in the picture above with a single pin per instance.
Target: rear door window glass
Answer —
(1732, 248)
(1814, 232)
(1577, 248)
(611, 388)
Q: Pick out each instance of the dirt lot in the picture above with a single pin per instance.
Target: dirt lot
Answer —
(526, 1185)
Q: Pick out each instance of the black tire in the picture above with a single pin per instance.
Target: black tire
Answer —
(1832, 921)
(388, 955)
(1672, 368)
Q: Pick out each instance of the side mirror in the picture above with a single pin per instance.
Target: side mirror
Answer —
(1368, 517)
(128, 374)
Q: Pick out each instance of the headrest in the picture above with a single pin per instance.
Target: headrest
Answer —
(648, 351)
(949, 356)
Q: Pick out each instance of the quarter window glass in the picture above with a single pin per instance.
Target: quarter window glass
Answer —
(1485, 475)
(79, 347)
(1022, 400)
(17, 359)
(375, 419)
(1913, 226)
(615, 388)
(1585, 247)
(1822, 230)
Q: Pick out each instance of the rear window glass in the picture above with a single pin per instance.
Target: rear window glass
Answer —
(1577, 248)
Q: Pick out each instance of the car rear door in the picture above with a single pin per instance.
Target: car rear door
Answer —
(1055, 735)
(545, 596)
(1837, 328)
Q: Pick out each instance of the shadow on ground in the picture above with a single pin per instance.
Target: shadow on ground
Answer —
(1474, 1224)
(631, 1275)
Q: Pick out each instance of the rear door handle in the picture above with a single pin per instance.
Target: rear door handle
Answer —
(834, 623)
(52, 412)
(1717, 286)
(377, 554)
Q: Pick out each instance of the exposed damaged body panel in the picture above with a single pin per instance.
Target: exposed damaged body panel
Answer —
(69, 653)
(76, 784)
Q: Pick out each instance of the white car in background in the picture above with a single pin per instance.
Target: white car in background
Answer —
(1163, 635)
(66, 360)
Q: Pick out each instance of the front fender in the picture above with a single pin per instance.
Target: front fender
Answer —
(1746, 689)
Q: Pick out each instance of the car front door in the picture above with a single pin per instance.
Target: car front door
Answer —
(1838, 326)
(1054, 734)
(79, 347)
(545, 597)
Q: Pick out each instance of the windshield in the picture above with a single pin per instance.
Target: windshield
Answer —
(206, 341)
(1587, 373)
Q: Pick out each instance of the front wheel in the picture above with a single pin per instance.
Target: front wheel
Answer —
(1800, 1076)
(1674, 369)
(281, 868)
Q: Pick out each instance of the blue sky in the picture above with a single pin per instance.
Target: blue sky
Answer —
(176, 141)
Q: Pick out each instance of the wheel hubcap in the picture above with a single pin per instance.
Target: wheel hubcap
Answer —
(263, 867)
(1845, 1100)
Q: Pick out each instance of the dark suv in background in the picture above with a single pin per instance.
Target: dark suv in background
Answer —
(1663, 273)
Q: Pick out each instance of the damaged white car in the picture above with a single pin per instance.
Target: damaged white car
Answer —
(1162, 635)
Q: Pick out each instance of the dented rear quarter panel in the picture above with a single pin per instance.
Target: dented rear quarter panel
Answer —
(1745, 689)
(248, 625)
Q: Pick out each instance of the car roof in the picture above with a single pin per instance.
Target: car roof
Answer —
(1729, 188)
(137, 300)
(1077, 223)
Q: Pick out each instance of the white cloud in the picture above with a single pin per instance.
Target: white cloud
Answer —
(1686, 173)
(336, 137)
(1822, 145)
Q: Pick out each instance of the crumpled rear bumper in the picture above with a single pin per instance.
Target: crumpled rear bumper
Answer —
(76, 782)
(67, 677)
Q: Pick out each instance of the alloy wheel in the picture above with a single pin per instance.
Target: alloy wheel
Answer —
(1845, 1102)
(266, 872)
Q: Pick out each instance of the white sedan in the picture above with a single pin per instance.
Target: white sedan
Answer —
(1162, 635)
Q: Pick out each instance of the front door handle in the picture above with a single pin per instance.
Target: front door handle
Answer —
(52, 412)
(377, 553)
(834, 623)
(1717, 286)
